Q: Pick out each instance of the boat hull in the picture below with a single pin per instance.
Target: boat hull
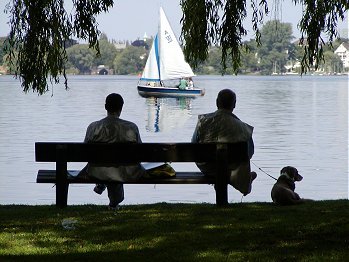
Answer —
(149, 91)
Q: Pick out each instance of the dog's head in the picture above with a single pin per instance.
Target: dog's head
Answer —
(291, 172)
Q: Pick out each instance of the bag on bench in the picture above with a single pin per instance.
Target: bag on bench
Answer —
(163, 170)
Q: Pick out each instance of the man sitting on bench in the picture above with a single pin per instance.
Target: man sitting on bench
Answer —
(223, 126)
(113, 129)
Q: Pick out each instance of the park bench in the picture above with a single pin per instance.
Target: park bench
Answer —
(125, 153)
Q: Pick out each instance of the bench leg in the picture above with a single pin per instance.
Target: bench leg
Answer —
(222, 175)
(62, 195)
(62, 184)
(221, 194)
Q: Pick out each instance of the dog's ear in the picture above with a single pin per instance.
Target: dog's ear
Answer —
(283, 170)
(292, 172)
(288, 170)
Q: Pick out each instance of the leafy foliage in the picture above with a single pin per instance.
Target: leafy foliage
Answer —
(39, 31)
(130, 60)
(81, 58)
(2, 54)
(206, 26)
(217, 22)
(107, 52)
(275, 45)
(332, 63)
(319, 17)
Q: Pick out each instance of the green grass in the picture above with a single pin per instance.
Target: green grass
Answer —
(314, 231)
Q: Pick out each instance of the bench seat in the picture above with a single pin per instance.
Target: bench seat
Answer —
(49, 176)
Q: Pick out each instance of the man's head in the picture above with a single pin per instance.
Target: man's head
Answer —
(114, 103)
(226, 99)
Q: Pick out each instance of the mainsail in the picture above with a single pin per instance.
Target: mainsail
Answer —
(166, 60)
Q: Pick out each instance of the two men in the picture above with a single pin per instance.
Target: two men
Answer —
(219, 126)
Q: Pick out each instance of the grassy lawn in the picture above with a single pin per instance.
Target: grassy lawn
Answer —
(314, 231)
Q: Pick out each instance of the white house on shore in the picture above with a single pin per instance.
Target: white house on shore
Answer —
(343, 52)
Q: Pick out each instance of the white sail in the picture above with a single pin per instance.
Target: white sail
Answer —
(151, 70)
(172, 62)
(166, 60)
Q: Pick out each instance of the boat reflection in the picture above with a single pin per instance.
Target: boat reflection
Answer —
(164, 114)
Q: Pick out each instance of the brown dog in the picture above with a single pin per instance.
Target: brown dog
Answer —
(282, 192)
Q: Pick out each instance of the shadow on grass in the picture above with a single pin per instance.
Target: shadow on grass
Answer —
(315, 231)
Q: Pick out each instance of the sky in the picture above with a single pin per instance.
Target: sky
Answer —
(131, 19)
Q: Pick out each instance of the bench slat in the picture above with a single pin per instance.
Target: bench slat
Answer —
(49, 176)
(123, 153)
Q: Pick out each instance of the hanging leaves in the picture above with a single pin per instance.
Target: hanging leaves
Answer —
(39, 31)
(207, 22)
(216, 22)
(199, 28)
(85, 24)
(36, 45)
(320, 18)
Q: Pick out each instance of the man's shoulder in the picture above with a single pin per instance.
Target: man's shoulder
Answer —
(206, 116)
(96, 123)
(127, 123)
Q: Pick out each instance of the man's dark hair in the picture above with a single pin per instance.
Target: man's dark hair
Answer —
(226, 99)
(114, 103)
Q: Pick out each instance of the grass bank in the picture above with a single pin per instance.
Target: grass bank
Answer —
(315, 231)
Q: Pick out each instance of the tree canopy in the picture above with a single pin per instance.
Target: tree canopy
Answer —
(40, 31)
(220, 22)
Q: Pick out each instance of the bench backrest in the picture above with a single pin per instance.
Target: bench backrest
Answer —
(145, 152)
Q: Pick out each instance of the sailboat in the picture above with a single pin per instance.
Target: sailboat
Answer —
(166, 64)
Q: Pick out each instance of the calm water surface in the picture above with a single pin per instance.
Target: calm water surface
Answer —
(299, 121)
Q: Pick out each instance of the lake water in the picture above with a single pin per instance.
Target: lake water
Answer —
(299, 121)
